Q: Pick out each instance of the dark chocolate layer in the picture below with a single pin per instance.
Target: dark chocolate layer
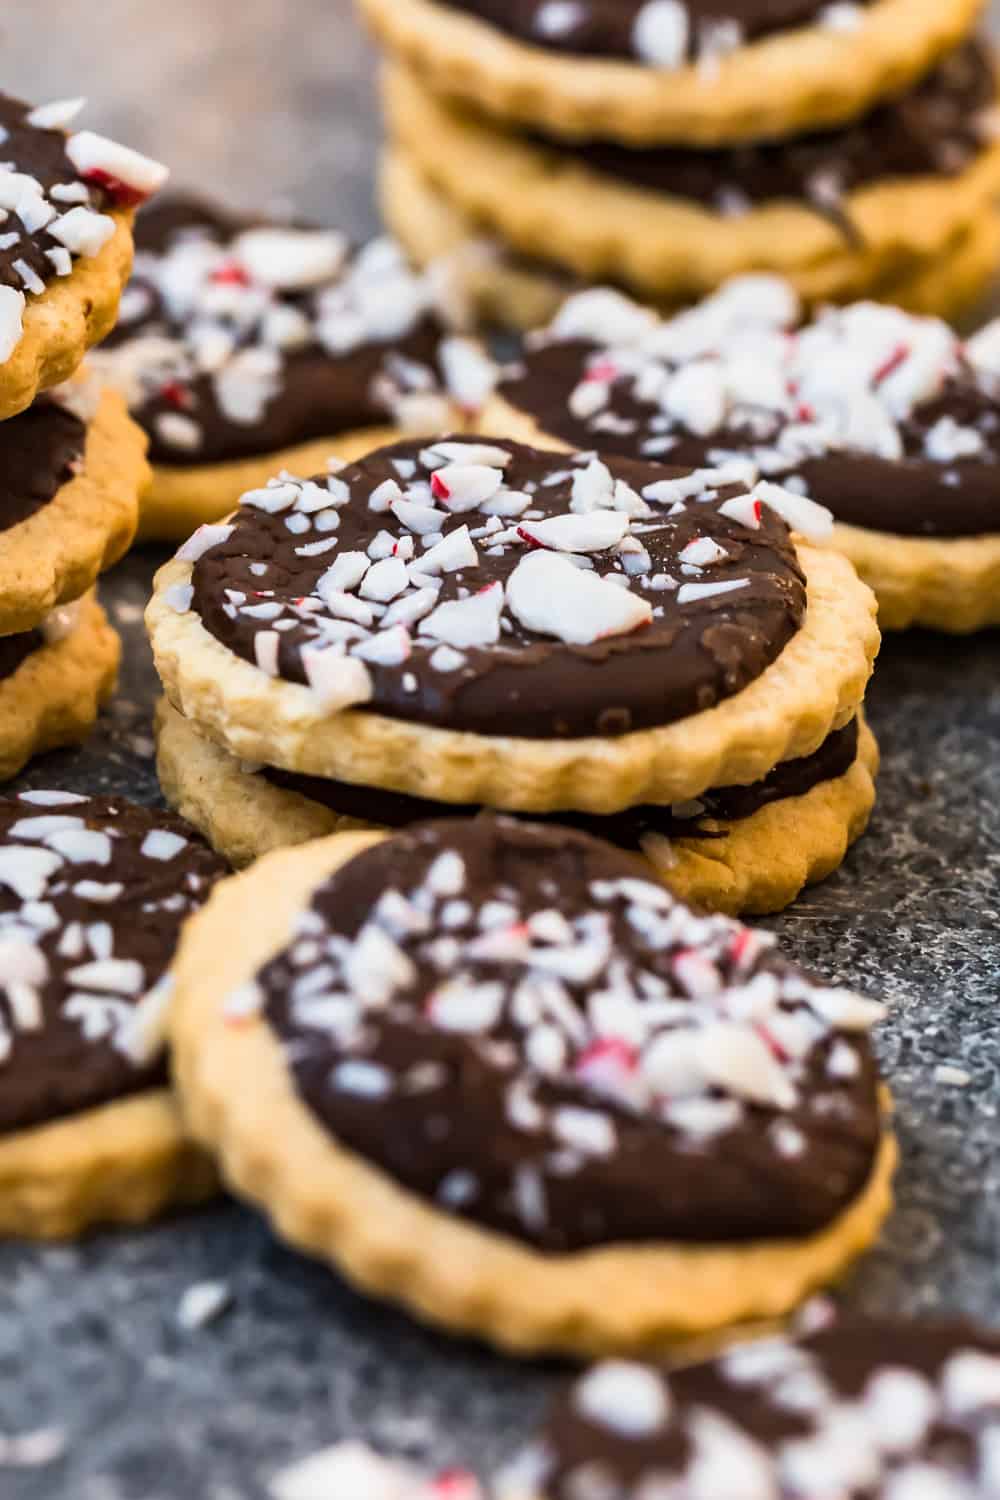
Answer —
(605, 28)
(14, 649)
(40, 451)
(626, 830)
(920, 1397)
(484, 1009)
(912, 496)
(93, 892)
(690, 655)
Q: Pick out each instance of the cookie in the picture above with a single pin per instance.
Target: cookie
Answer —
(248, 347)
(881, 1408)
(93, 893)
(834, 213)
(72, 470)
(499, 1076)
(748, 849)
(522, 292)
(53, 681)
(653, 71)
(66, 246)
(488, 623)
(886, 419)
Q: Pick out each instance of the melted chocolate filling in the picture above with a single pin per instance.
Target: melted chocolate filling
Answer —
(688, 658)
(69, 1061)
(442, 1121)
(914, 496)
(319, 394)
(626, 830)
(40, 451)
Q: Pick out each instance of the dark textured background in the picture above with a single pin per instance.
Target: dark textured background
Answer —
(268, 99)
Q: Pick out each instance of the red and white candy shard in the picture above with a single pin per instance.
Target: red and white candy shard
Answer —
(126, 174)
(549, 595)
(352, 1471)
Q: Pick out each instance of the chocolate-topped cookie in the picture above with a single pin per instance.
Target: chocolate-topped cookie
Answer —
(68, 200)
(888, 420)
(512, 1047)
(246, 346)
(840, 213)
(877, 1408)
(486, 622)
(93, 893)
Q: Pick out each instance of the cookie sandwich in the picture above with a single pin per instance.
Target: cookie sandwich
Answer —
(484, 624)
(887, 420)
(246, 347)
(93, 893)
(489, 1070)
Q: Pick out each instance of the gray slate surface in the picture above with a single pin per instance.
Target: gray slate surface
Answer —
(237, 96)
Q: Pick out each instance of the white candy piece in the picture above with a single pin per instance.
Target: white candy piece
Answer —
(549, 595)
(598, 531)
(291, 259)
(92, 153)
(462, 623)
(801, 513)
(12, 305)
(463, 487)
(82, 231)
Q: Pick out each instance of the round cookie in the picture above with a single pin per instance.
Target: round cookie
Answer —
(670, 70)
(739, 850)
(487, 623)
(93, 893)
(72, 470)
(247, 347)
(834, 213)
(54, 679)
(880, 1408)
(888, 420)
(522, 292)
(66, 246)
(501, 1077)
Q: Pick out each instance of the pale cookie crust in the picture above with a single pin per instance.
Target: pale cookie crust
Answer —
(522, 293)
(760, 866)
(813, 687)
(54, 696)
(546, 204)
(72, 314)
(180, 500)
(123, 1163)
(803, 79)
(57, 553)
(332, 1203)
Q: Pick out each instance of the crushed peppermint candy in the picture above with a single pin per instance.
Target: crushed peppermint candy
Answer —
(353, 1471)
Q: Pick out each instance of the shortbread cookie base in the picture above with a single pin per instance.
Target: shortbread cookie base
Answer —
(68, 318)
(814, 687)
(123, 1163)
(546, 204)
(333, 1204)
(521, 293)
(56, 693)
(57, 553)
(941, 583)
(799, 80)
(182, 499)
(759, 865)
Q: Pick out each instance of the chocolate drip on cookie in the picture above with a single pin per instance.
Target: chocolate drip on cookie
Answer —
(509, 1020)
(860, 1409)
(92, 896)
(40, 451)
(496, 588)
(626, 829)
(700, 29)
(240, 336)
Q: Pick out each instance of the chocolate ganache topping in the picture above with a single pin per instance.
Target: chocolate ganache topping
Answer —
(860, 1410)
(888, 420)
(492, 587)
(627, 829)
(40, 451)
(650, 31)
(93, 892)
(937, 128)
(509, 1020)
(239, 337)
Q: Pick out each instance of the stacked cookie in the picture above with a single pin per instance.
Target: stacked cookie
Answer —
(72, 463)
(664, 145)
(648, 652)
(248, 346)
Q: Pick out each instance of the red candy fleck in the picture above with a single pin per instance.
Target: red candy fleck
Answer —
(804, 412)
(122, 194)
(439, 489)
(532, 541)
(175, 394)
(609, 1053)
(230, 273)
(605, 370)
(775, 1048)
(894, 361)
(455, 1484)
